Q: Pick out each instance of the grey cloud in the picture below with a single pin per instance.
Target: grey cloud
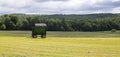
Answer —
(101, 6)
(48, 0)
(39, 7)
(109, 3)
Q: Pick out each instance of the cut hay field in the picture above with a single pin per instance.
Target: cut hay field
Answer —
(60, 44)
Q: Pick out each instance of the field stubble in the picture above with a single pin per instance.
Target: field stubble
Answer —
(60, 44)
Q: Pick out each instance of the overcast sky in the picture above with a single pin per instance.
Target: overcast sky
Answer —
(59, 6)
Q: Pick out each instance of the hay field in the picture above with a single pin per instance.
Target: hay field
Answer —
(60, 44)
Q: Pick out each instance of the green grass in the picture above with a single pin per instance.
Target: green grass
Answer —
(102, 34)
(60, 44)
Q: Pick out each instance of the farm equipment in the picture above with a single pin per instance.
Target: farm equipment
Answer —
(39, 29)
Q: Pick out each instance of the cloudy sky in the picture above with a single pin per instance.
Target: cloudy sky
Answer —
(59, 6)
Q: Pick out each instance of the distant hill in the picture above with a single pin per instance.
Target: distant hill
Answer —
(70, 16)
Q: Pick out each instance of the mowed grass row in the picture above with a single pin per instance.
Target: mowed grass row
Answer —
(59, 44)
(102, 34)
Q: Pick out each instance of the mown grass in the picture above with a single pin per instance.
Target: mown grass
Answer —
(60, 44)
(101, 34)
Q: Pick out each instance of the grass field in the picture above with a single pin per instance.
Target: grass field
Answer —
(60, 44)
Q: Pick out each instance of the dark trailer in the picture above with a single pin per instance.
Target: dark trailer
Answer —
(39, 29)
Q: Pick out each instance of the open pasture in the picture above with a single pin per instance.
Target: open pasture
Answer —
(60, 44)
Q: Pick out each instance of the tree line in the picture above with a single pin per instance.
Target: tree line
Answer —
(89, 22)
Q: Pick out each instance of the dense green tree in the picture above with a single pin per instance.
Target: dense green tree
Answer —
(86, 22)
(3, 27)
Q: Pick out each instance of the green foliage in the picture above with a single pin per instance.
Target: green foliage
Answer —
(90, 22)
(3, 27)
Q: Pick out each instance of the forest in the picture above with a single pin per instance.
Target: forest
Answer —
(62, 22)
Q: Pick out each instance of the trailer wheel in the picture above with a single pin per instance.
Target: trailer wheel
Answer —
(34, 36)
(43, 36)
